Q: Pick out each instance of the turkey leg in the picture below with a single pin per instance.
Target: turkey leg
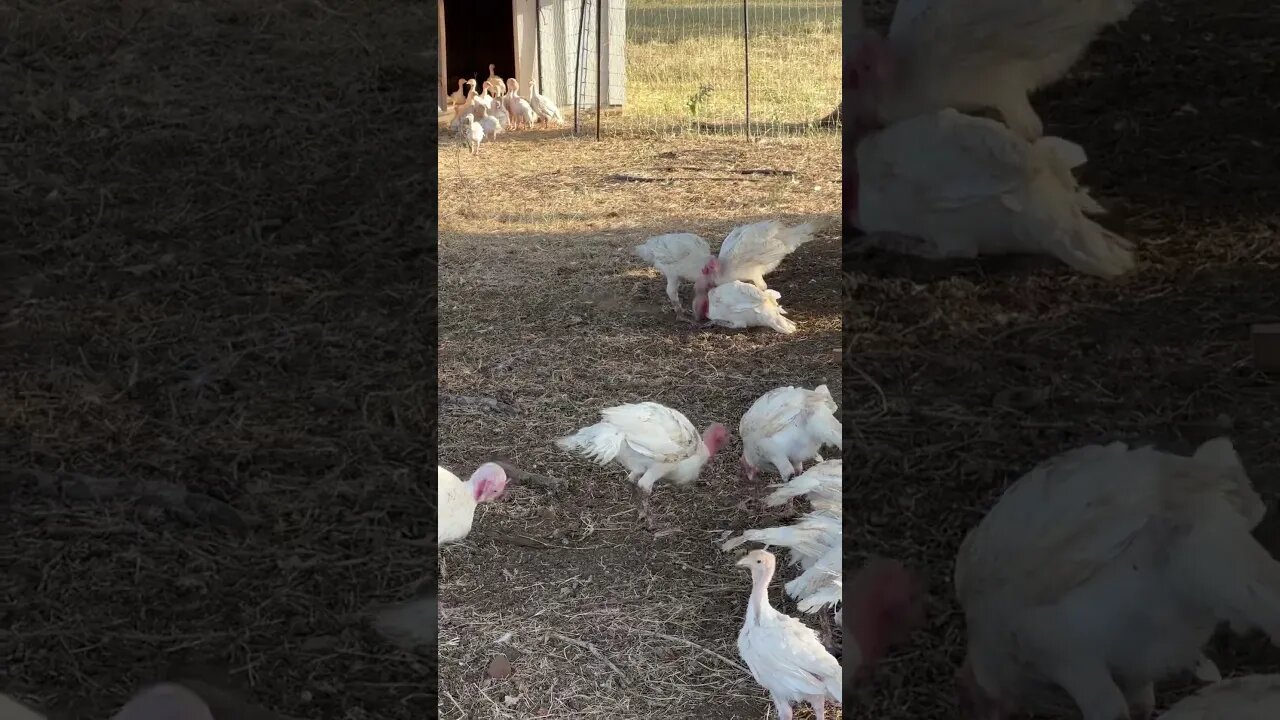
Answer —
(819, 705)
(825, 631)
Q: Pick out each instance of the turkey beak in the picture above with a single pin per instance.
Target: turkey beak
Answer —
(742, 562)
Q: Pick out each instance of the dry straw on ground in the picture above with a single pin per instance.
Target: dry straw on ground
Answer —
(212, 288)
(544, 308)
(967, 374)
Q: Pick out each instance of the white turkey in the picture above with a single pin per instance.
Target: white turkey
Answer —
(971, 55)
(750, 251)
(489, 124)
(947, 185)
(1106, 569)
(522, 114)
(653, 442)
(786, 427)
(1251, 697)
(544, 106)
(456, 500)
(738, 305)
(459, 96)
(815, 544)
(785, 656)
(482, 97)
(499, 113)
(494, 83)
(678, 256)
(472, 133)
(822, 483)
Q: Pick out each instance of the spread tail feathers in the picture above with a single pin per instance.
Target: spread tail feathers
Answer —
(796, 236)
(599, 443)
(782, 325)
(1226, 567)
(788, 490)
(1096, 250)
(828, 596)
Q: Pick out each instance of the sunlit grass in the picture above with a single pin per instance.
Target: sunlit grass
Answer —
(685, 62)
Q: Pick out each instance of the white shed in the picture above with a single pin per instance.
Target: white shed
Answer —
(544, 46)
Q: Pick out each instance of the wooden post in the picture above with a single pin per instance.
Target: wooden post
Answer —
(444, 67)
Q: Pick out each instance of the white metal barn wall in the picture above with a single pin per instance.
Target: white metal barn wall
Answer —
(565, 61)
(526, 39)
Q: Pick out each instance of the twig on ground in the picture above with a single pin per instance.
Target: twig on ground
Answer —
(694, 645)
(594, 651)
(491, 404)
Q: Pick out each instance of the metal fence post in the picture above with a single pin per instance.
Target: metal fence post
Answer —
(537, 42)
(746, 66)
(599, 63)
(577, 63)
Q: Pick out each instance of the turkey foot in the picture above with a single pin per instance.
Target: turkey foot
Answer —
(644, 509)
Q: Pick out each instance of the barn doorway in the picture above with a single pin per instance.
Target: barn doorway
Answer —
(476, 33)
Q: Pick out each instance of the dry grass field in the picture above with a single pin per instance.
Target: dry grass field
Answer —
(544, 309)
(215, 403)
(962, 376)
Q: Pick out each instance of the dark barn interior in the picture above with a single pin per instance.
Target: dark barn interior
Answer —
(477, 33)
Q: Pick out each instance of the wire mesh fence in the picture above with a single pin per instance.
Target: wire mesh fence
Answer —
(758, 68)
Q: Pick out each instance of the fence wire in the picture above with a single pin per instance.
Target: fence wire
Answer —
(672, 66)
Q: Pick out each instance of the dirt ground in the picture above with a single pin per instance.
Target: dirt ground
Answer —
(963, 376)
(544, 308)
(213, 277)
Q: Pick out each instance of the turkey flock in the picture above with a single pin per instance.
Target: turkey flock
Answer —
(1108, 568)
(498, 107)
(783, 433)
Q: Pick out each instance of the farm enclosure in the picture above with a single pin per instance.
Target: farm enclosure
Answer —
(664, 66)
(545, 309)
(962, 376)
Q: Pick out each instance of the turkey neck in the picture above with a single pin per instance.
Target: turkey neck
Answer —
(758, 607)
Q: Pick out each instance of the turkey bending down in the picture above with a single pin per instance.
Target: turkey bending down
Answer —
(751, 251)
(1106, 569)
(653, 442)
(947, 185)
(678, 256)
(971, 55)
(785, 428)
(738, 305)
(1251, 697)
